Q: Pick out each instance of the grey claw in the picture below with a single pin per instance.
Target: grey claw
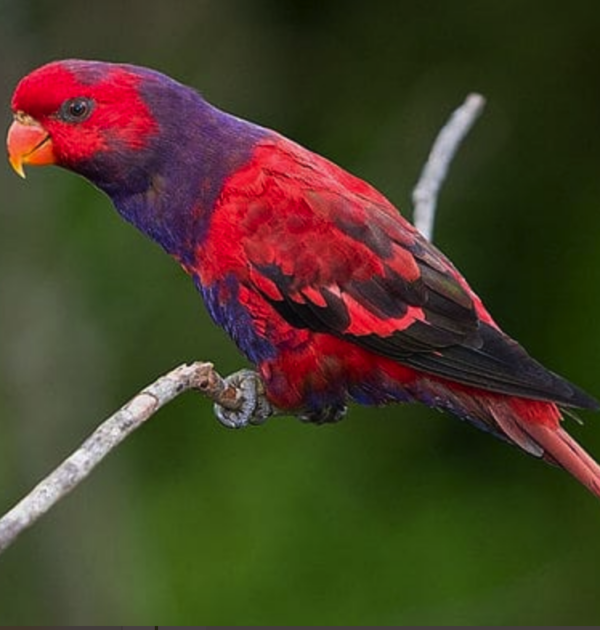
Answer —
(254, 407)
(331, 413)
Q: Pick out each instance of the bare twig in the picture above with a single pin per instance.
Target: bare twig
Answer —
(425, 193)
(202, 376)
(74, 469)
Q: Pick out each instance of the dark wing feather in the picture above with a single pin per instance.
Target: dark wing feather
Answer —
(350, 265)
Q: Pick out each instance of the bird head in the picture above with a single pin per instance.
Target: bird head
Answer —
(154, 145)
(90, 117)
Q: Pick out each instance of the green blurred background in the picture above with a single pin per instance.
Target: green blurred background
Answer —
(394, 516)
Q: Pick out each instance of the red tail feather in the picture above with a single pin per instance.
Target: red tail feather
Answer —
(549, 440)
(561, 448)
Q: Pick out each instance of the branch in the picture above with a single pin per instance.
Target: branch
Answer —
(202, 376)
(73, 470)
(425, 193)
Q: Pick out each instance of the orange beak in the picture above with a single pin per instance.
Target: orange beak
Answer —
(28, 143)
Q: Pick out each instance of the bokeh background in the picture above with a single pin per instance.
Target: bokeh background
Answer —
(394, 516)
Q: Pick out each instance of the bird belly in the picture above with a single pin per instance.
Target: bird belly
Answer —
(320, 371)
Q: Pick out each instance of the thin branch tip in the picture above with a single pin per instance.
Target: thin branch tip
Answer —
(445, 146)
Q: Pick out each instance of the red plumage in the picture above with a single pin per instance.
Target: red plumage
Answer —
(322, 284)
(288, 208)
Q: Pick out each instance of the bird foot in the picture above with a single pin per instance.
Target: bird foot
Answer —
(325, 415)
(252, 407)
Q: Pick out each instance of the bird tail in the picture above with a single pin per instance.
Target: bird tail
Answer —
(547, 439)
(560, 448)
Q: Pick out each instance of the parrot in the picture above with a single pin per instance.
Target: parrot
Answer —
(330, 294)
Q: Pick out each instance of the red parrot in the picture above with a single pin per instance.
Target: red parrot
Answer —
(324, 287)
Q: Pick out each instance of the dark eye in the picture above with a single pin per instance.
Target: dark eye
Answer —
(76, 109)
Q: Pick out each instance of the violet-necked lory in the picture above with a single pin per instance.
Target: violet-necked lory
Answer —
(325, 288)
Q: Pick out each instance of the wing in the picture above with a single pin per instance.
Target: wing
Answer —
(331, 254)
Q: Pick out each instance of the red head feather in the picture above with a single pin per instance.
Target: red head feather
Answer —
(117, 116)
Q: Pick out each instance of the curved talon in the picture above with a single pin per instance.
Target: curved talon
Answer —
(254, 407)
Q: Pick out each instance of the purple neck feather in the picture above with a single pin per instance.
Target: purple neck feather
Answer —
(168, 189)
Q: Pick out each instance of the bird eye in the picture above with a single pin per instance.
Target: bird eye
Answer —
(76, 109)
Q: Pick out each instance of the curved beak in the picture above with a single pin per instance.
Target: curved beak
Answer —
(28, 143)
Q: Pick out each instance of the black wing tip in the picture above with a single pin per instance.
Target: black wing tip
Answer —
(581, 400)
(497, 364)
(543, 384)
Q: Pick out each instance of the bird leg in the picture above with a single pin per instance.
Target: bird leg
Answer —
(249, 403)
(242, 401)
